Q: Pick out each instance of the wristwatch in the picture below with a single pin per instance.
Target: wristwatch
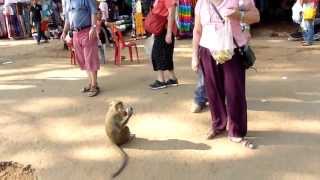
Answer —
(242, 13)
(94, 26)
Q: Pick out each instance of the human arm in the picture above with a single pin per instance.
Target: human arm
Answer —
(197, 31)
(66, 26)
(301, 1)
(249, 16)
(171, 21)
(93, 32)
(93, 10)
(107, 12)
(31, 17)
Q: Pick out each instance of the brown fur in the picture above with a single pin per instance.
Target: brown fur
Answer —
(117, 130)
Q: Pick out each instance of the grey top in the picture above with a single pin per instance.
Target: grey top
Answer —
(78, 12)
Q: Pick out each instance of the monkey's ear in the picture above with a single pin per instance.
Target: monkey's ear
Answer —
(115, 104)
(112, 103)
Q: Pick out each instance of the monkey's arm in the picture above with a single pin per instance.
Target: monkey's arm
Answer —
(126, 120)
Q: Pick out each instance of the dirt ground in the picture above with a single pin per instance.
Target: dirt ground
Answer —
(46, 122)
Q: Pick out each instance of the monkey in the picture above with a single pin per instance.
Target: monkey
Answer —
(117, 130)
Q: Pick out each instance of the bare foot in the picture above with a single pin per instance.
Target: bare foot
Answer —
(211, 134)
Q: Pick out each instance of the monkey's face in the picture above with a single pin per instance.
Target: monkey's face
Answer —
(119, 107)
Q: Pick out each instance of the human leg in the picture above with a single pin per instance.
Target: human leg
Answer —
(94, 78)
(160, 74)
(160, 82)
(200, 98)
(172, 74)
(91, 53)
(158, 61)
(43, 35)
(200, 92)
(168, 64)
(43, 28)
(308, 32)
(214, 85)
(38, 29)
(80, 58)
(234, 85)
(172, 81)
(94, 90)
(91, 61)
(87, 87)
(311, 32)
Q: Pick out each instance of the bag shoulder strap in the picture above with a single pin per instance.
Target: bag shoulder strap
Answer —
(222, 19)
(217, 11)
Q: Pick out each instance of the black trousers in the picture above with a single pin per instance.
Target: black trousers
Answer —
(162, 53)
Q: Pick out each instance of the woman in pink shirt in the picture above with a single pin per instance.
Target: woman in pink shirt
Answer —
(224, 83)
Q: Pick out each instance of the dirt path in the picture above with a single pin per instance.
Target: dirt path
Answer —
(46, 122)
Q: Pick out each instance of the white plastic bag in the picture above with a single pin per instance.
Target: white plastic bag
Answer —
(220, 41)
(297, 13)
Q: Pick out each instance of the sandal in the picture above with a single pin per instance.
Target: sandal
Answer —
(95, 90)
(245, 142)
(85, 89)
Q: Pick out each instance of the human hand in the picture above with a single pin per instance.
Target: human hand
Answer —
(195, 63)
(168, 38)
(92, 33)
(63, 36)
(234, 14)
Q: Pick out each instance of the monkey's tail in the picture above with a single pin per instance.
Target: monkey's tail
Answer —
(124, 163)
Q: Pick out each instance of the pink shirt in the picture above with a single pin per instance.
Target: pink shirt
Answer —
(208, 16)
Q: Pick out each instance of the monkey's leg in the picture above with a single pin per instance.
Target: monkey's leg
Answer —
(125, 136)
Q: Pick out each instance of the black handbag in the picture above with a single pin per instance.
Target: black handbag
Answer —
(248, 56)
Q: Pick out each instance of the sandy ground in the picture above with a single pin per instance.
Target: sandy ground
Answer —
(45, 121)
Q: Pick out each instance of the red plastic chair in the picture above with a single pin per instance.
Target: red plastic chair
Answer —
(120, 43)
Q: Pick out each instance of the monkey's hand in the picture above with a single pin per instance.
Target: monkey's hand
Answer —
(129, 112)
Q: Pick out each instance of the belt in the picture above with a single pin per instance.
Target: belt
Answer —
(80, 28)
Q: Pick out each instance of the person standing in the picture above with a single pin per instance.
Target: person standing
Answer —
(309, 13)
(200, 95)
(80, 18)
(224, 83)
(103, 6)
(138, 19)
(163, 46)
(35, 16)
